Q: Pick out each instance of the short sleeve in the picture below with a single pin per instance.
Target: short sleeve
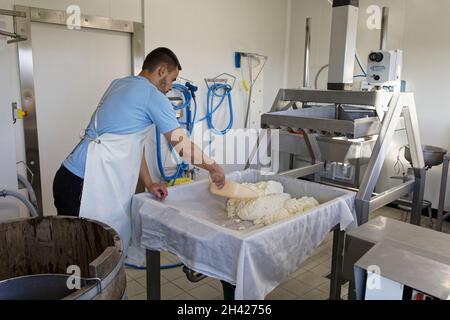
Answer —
(161, 112)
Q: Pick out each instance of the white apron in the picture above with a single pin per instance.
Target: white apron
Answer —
(112, 171)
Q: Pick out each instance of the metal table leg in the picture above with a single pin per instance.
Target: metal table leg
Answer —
(442, 192)
(351, 290)
(418, 162)
(336, 263)
(419, 189)
(153, 275)
(314, 151)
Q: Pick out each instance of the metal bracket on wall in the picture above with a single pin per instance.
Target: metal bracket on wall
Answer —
(219, 79)
(14, 112)
(23, 20)
(12, 13)
(14, 35)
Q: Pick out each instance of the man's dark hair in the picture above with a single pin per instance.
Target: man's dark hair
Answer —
(161, 56)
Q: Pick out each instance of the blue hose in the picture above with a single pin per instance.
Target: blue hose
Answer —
(211, 108)
(181, 167)
(171, 266)
(163, 267)
(218, 91)
(188, 92)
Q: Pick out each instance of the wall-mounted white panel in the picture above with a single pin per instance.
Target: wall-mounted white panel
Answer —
(116, 9)
(72, 70)
(97, 7)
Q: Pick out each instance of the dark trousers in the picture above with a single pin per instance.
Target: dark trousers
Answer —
(67, 190)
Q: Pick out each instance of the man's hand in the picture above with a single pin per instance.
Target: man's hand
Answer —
(192, 153)
(158, 190)
(217, 175)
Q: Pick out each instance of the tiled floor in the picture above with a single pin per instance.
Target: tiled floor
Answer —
(307, 283)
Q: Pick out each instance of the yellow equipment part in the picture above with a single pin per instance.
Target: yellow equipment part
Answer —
(21, 114)
(180, 181)
(245, 85)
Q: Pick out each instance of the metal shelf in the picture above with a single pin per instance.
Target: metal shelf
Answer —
(329, 119)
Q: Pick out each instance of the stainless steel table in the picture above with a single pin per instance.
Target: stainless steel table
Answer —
(359, 241)
(444, 177)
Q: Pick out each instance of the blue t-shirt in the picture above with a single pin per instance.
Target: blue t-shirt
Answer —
(130, 105)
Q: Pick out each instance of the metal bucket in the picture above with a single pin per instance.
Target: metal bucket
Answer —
(433, 156)
(37, 287)
(40, 256)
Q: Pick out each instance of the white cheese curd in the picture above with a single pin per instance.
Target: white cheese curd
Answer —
(295, 206)
(272, 204)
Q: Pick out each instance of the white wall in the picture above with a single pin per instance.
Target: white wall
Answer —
(205, 34)
(417, 27)
(427, 70)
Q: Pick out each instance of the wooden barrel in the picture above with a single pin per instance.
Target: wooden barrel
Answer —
(39, 251)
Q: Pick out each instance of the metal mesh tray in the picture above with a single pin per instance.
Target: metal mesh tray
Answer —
(349, 121)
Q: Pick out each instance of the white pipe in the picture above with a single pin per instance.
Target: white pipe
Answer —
(25, 201)
(306, 65)
(384, 29)
(29, 188)
(316, 80)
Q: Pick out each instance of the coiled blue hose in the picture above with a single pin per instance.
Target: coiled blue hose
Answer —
(216, 91)
(181, 167)
(188, 92)
(211, 108)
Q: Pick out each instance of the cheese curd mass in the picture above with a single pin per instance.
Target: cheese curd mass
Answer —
(272, 204)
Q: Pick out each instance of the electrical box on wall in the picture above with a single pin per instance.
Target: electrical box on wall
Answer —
(385, 68)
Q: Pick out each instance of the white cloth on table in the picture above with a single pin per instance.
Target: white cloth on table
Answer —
(193, 224)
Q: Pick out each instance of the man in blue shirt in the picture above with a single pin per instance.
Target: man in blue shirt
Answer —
(130, 105)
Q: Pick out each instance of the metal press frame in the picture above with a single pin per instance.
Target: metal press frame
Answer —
(391, 108)
(441, 217)
(25, 52)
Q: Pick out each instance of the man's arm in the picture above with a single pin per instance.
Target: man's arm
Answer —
(192, 153)
(158, 190)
